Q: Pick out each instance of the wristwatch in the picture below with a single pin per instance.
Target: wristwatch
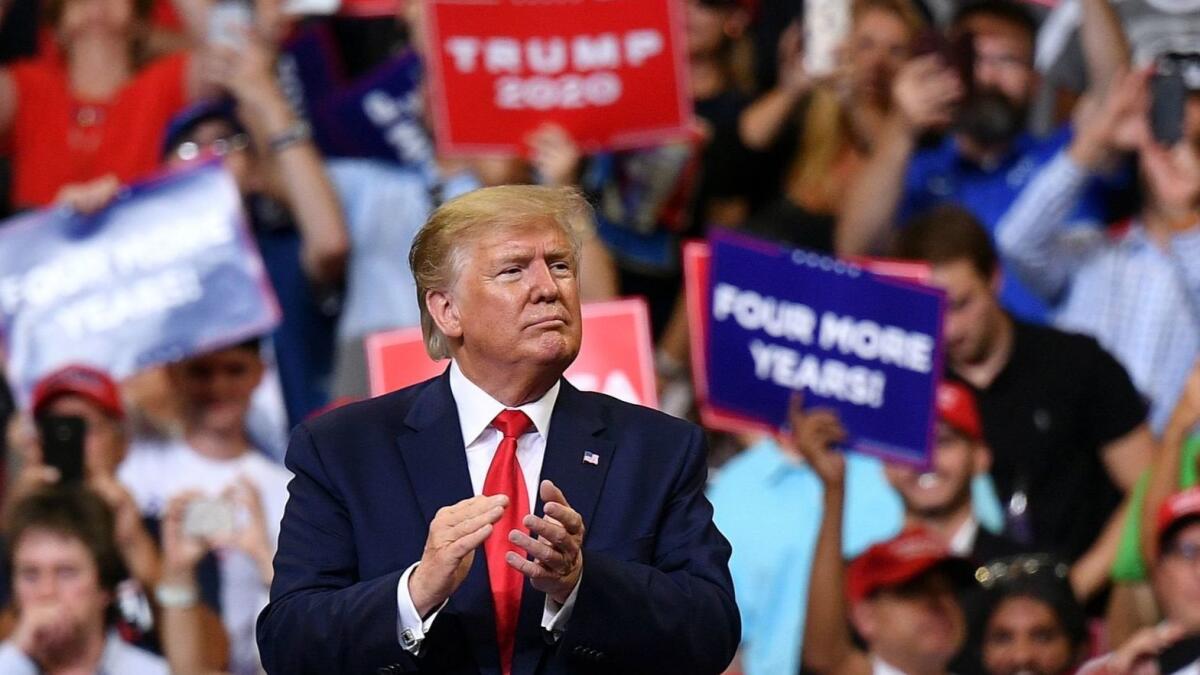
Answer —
(175, 596)
(296, 132)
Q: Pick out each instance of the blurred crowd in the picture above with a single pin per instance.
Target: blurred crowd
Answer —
(1042, 158)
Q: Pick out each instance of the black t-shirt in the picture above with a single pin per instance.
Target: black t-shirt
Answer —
(1047, 417)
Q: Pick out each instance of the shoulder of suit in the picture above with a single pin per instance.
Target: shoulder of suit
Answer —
(388, 409)
(616, 410)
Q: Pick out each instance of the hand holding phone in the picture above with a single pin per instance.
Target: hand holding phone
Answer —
(228, 23)
(62, 445)
(209, 518)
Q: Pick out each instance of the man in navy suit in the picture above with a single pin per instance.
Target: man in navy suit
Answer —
(495, 519)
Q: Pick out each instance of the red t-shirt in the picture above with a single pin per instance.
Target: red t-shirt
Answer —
(58, 139)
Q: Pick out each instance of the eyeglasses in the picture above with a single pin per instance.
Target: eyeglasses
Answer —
(1186, 551)
(189, 150)
(1011, 569)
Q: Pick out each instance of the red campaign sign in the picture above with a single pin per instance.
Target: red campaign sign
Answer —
(615, 358)
(611, 72)
(697, 259)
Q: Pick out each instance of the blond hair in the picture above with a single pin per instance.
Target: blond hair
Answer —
(826, 131)
(440, 247)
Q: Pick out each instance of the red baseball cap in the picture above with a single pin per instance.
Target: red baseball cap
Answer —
(79, 380)
(898, 561)
(1178, 507)
(956, 407)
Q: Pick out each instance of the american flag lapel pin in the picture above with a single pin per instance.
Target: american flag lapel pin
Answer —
(591, 458)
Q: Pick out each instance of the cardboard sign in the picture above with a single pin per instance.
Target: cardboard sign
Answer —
(615, 358)
(780, 321)
(168, 270)
(611, 72)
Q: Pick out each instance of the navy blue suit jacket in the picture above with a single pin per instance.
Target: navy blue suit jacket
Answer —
(655, 596)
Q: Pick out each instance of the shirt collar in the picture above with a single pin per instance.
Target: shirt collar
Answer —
(963, 541)
(881, 667)
(477, 409)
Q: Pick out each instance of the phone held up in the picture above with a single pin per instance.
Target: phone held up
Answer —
(62, 445)
(1175, 75)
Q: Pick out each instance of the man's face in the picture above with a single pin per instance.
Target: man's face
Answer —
(947, 486)
(215, 388)
(973, 315)
(50, 568)
(1024, 635)
(1177, 578)
(919, 622)
(104, 444)
(1003, 81)
(514, 301)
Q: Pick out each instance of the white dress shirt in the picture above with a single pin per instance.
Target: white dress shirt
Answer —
(963, 541)
(476, 410)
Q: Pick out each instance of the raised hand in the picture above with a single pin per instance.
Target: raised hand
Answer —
(89, 197)
(1115, 123)
(454, 534)
(48, 633)
(925, 92)
(180, 551)
(558, 550)
(815, 434)
(554, 154)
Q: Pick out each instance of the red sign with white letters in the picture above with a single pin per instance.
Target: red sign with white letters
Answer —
(611, 72)
(615, 357)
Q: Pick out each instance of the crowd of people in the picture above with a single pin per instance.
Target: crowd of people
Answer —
(1016, 149)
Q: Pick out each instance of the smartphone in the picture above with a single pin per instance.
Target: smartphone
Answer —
(1167, 94)
(228, 23)
(826, 24)
(62, 445)
(1180, 655)
(206, 518)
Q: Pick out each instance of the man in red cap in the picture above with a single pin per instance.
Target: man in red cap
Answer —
(91, 395)
(900, 595)
(85, 392)
(1176, 567)
(939, 497)
(1173, 646)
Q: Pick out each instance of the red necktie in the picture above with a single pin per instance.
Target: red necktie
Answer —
(504, 477)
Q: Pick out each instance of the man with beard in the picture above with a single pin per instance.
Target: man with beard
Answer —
(979, 97)
(1066, 427)
(939, 499)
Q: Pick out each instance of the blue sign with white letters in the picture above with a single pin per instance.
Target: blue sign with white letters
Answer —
(784, 321)
(167, 270)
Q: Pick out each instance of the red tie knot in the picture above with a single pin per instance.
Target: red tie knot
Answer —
(512, 423)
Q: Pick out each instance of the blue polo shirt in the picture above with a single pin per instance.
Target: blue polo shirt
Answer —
(769, 507)
(940, 174)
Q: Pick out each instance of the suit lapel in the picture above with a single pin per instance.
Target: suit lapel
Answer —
(575, 428)
(431, 447)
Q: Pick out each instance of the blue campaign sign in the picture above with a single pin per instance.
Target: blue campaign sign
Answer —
(167, 270)
(784, 320)
(379, 116)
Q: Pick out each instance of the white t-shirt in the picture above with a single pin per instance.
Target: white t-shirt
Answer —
(156, 472)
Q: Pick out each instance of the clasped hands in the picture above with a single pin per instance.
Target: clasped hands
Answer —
(555, 557)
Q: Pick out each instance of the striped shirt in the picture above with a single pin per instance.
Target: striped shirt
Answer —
(1140, 300)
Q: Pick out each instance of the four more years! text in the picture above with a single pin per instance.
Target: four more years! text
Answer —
(818, 366)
